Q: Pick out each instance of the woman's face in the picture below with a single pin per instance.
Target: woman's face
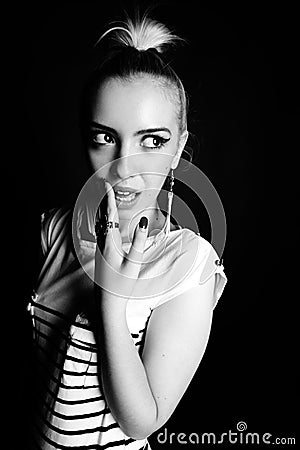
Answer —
(133, 131)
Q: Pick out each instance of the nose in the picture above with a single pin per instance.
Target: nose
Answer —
(123, 165)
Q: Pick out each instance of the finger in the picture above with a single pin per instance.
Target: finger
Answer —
(113, 237)
(136, 252)
(101, 216)
(112, 210)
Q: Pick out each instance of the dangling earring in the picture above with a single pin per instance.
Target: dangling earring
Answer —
(166, 228)
(170, 201)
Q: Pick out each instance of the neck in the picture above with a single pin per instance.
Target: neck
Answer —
(156, 221)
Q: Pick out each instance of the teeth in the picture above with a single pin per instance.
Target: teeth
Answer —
(123, 192)
(128, 198)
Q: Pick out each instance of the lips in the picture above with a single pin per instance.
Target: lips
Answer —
(125, 197)
(124, 190)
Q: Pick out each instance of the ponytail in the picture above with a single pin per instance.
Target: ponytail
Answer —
(135, 48)
(142, 35)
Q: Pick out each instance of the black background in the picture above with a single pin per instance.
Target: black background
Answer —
(241, 70)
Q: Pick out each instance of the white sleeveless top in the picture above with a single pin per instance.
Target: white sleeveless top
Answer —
(74, 412)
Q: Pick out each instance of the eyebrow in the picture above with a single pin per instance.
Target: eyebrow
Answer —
(137, 133)
(152, 130)
(102, 127)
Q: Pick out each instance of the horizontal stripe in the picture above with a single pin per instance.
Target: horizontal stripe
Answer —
(52, 311)
(72, 427)
(66, 417)
(86, 447)
(67, 334)
(60, 415)
(67, 394)
(77, 401)
(60, 315)
(69, 357)
(83, 336)
(67, 386)
(53, 388)
(61, 435)
(73, 402)
(81, 419)
(81, 361)
(73, 323)
(88, 348)
(52, 326)
(99, 429)
(79, 374)
(66, 371)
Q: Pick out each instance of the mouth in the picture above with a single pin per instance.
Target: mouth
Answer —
(126, 197)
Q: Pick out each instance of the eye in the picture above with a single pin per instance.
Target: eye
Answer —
(103, 139)
(154, 141)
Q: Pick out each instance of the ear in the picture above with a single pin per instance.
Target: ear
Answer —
(182, 141)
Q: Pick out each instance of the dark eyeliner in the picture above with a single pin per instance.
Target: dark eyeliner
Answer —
(162, 140)
(93, 133)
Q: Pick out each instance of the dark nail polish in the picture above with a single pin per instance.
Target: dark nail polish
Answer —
(143, 222)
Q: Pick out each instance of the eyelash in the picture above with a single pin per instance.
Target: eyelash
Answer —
(162, 140)
(94, 135)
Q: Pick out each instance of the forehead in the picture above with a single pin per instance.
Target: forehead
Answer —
(129, 105)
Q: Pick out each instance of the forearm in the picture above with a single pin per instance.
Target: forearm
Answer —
(124, 378)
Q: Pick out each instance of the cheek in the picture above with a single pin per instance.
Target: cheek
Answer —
(99, 160)
(155, 181)
(161, 169)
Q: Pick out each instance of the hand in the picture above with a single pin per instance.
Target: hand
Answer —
(115, 271)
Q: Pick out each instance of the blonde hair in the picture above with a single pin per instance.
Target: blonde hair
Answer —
(142, 34)
(139, 47)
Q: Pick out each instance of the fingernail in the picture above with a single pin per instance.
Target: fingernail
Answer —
(143, 223)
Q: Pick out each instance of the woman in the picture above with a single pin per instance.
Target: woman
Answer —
(114, 322)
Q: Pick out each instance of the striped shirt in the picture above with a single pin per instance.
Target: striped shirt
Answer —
(71, 410)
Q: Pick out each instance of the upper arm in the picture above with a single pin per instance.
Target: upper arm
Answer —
(176, 338)
(53, 222)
